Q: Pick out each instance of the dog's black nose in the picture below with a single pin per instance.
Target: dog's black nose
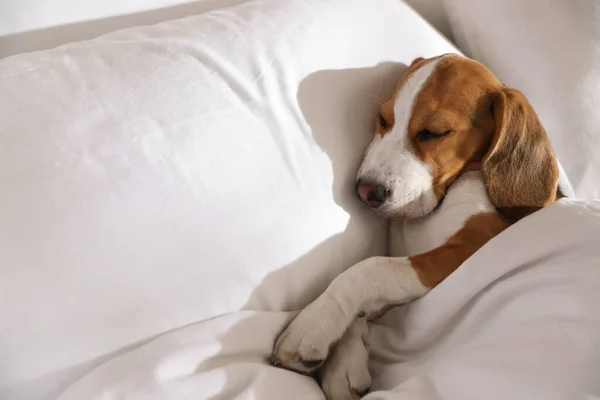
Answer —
(373, 194)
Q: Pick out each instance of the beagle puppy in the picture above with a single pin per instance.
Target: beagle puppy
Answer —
(458, 157)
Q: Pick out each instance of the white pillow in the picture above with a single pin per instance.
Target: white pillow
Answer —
(32, 25)
(550, 50)
(41, 24)
(159, 176)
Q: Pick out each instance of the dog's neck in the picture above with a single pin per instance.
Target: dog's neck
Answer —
(466, 197)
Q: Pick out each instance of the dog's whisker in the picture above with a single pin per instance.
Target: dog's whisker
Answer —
(378, 100)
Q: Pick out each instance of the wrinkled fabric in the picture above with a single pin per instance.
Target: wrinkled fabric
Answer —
(514, 321)
(160, 176)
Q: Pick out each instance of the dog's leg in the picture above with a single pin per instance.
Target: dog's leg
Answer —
(371, 285)
(363, 289)
(345, 374)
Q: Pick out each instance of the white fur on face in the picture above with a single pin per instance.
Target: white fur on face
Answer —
(390, 161)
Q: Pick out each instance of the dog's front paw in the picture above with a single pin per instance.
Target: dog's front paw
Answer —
(345, 375)
(305, 344)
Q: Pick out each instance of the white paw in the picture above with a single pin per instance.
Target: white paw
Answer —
(310, 337)
(345, 375)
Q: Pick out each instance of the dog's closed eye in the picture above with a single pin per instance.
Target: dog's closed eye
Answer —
(426, 135)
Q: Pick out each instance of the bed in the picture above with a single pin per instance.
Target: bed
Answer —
(173, 191)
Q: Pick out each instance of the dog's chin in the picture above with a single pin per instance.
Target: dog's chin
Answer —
(400, 215)
(411, 211)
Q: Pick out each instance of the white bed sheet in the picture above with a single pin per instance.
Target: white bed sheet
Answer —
(516, 321)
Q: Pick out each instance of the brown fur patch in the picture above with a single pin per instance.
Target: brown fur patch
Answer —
(434, 266)
(387, 108)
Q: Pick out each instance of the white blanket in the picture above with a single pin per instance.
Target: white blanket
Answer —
(519, 320)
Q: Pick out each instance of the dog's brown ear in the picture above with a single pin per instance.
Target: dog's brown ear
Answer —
(416, 60)
(520, 169)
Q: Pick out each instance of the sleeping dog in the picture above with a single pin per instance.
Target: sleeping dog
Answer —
(458, 157)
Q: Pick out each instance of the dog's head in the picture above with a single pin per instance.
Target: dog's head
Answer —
(450, 114)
